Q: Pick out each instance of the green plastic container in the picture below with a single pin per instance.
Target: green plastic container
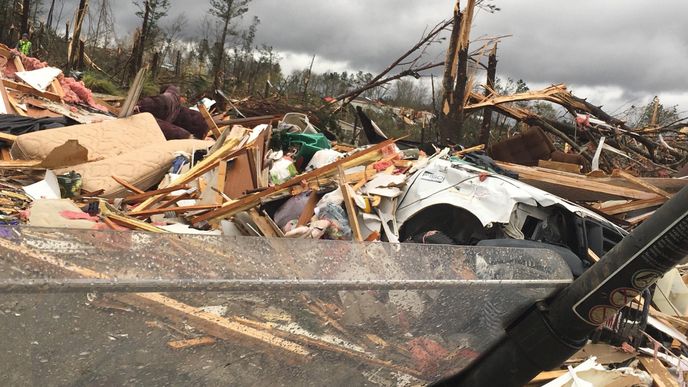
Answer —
(308, 145)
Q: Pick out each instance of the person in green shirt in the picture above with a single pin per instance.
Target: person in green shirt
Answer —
(24, 45)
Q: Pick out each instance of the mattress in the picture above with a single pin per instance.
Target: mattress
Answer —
(143, 167)
(103, 140)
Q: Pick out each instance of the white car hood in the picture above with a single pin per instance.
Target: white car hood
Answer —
(489, 196)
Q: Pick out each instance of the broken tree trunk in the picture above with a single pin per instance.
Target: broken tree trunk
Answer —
(484, 137)
(76, 36)
(445, 124)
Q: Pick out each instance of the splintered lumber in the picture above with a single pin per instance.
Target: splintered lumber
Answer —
(660, 375)
(134, 93)
(262, 223)
(253, 200)
(30, 90)
(131, 223)
(562, 183)
(145, 195)
(128, 185)
(226, 151)
(477, 148)
(633, 206)
(190, 343)
(349, 204)
(209, 120)
(642, 183)
(166, 307)
(163, 210)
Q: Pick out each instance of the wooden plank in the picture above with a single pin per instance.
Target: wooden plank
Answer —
(308, 210)
(134, 93)
(546, 376)
(221, 180)
(5, 154)
(209, 120)
(133, 224)
(592, 257)
(252, 200)
(640, 218)
(349, 204)
(56, 88)
(145, 195)
(660, 375)
(30, 90)
(161, 210)
(197, 342)
(263, 225)
(642, 183)
(576, 182)
(166, 307)
(559, 166)
(633, 206)
(127, 185)
(18, 164)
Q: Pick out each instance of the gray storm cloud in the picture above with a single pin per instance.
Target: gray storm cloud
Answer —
(639, 46)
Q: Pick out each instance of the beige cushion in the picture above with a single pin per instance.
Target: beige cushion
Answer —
(103, 140)
(143, 167)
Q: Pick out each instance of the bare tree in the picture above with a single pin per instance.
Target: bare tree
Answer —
(226, 11)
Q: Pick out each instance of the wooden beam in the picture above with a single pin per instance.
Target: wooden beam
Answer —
(350, 205)
(640, 182)
(633, 206)
(30, 90)
(161, 210)
(577, 182)
(134, 93)
(253, 200)
(660, 375)
(209, 120)
(145, 195)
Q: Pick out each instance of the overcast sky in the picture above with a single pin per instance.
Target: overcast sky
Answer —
(613, 52)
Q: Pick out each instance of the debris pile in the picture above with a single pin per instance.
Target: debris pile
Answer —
(272, 173)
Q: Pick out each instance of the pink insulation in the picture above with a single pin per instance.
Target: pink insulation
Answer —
(74, 91)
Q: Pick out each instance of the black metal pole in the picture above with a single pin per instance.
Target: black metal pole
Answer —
(552, 331)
